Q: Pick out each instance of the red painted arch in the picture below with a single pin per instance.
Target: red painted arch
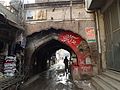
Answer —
(74, 41)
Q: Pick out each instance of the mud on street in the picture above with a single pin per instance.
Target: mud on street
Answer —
(55, 79)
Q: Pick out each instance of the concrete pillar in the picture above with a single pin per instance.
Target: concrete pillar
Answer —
(102, 39)
(101, 42)
(100, 36)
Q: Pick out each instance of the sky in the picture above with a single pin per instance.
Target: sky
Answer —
(29, 1)
(5, 2)
(61, 53)
(25, 1)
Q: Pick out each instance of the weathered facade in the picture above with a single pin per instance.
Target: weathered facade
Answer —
(60, 16)
(11, 31)
(112, 23)
(108, 23)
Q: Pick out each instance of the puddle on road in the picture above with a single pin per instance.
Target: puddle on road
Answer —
(56, 79)
(63, 82)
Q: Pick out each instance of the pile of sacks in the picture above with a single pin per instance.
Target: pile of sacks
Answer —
(10, 66)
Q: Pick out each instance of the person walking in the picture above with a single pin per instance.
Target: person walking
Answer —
(66, 64)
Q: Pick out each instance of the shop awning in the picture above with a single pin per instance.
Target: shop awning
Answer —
(8, 29)
(95, 4)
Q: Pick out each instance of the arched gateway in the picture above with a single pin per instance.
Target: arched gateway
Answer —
(41, 45)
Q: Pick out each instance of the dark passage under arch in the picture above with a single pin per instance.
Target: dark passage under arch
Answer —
(44, 52)
(42, 45)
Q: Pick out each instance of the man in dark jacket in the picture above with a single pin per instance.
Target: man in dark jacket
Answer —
(66, 64)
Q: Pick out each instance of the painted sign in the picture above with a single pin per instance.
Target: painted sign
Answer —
(71, 39)
(90, 33)
(39, 14)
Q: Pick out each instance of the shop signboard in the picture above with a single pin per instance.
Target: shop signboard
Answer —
(90, 34)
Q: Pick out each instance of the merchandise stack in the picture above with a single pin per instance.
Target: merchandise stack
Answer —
(10, 66)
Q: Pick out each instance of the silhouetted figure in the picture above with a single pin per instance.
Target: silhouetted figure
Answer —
(66, 64)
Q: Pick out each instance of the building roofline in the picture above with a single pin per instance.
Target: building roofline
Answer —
(54, 4)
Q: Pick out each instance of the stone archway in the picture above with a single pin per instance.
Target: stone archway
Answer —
(76, 43)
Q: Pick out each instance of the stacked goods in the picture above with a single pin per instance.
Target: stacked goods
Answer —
(10, 66)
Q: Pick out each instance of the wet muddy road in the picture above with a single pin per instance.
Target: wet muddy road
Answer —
(53, 79)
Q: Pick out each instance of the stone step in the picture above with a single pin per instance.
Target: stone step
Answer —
(112, 74)
(100, 84)
(112, 82)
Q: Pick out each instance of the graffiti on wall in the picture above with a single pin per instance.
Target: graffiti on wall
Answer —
(70, 39)
(86, 69)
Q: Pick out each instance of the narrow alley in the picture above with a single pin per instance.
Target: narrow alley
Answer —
(55, 79)
(59, 44)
